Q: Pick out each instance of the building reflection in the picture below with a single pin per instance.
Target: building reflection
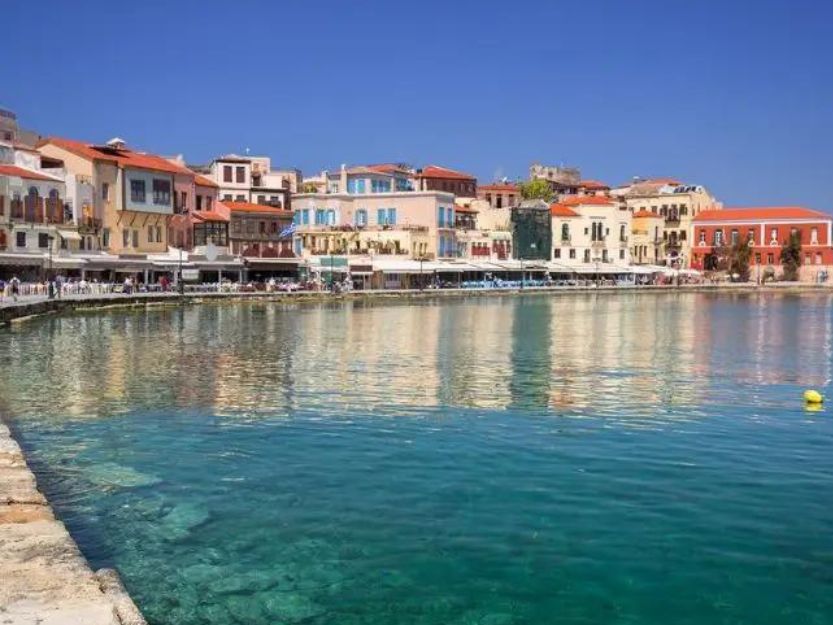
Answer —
(621, 355)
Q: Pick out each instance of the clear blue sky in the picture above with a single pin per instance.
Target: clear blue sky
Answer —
(737, 95)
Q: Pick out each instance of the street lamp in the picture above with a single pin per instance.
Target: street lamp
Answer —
(50, 288)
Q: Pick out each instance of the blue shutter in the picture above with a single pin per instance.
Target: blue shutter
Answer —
(392, 216)
(380, 216)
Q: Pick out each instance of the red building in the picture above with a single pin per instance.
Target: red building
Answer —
(767, 229)
(436, 178)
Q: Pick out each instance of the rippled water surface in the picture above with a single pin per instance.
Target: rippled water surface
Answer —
(637, 458)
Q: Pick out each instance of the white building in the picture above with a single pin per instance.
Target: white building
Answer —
(590, 230)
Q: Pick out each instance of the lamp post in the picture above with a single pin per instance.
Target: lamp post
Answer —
(179, 281)
(50, 288)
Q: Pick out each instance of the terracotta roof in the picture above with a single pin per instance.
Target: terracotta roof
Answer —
(761, 214)
(586, 200)
(19, 172)
(435, 171)
(389, 168)
(122, 158)
(639, 214)
(560, 210)
(202, 181)
(248, 207)
(593, 184)
(499, 186)
(209, 216)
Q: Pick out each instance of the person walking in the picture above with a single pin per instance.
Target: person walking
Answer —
(15, 287)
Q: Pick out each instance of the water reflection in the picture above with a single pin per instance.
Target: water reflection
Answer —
(635, 355)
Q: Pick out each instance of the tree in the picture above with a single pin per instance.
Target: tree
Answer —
(791, 256)
(734, 259)
(536, 189)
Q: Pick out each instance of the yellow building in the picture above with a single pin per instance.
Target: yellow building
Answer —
(647, 246)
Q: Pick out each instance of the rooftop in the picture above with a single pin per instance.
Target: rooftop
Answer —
(28, 174)
(123, 157)
(435, 171)
(585, 200)
(643, 214)
(761, 214)
(248, 207)
(560, 210)
(499, 186)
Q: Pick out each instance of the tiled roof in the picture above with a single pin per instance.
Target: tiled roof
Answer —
(560, 210)
(122, 158)
(435, 171)
(248, 207)
(761, 214)
(202, 181)
(585, 200)
(209, 216)
(499, 186)
(593, 184)
(643, 213)
(20, 172)
(389, 168)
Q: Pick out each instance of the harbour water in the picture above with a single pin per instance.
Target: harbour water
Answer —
(634, 458)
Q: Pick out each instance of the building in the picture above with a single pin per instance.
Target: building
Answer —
(251, 179)
(647, 243)
(202, 219)
(592, 187)
(407, 224)
(590, 230)
(436, 178)
(480, 234)
(262, 236)
(562, 180)
(134, 192)
(677, 203)
(500, 194)
(767, 230)
(531, 231)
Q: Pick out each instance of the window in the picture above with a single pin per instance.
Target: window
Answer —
(818, 258)
(735, 236)
(227, 173)
(273, 227)
(758, 259)
(137, 191)
(159, 234)
(320, 217)
(718, 237)
(392, 216)
(622, 236)
(21, 239)
(814, 236)
(586, 256)
(261, 199)
(183, 200)
(151, 232)
(807, 259)
(565, 232)
(105, 237)
(305, 216)
(773, 234)
(377, 186)
(604, 256)
(556, 252)
(770, 259)
(361, 217)
(621, 254)
(208, 201)
(382, 216)
(262, 227)
(240, 174)
(572, 253)
(135, 238)
(199, 202)
(702, 236)
(105, 191)
(240, 198)
(161, 192)
(499, 200)
(227, 197)
(125, 237)
(683, 235)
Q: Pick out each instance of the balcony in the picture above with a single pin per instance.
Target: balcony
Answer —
(672, 219)
(89, 225)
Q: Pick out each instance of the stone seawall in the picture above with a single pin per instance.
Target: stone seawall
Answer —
(44, 579)
(23, 310)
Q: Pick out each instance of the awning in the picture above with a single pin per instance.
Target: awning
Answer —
(256, 260)
(69, 235)
(21, 260)
(68, 262)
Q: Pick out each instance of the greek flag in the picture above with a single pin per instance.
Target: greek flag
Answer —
(288, 231)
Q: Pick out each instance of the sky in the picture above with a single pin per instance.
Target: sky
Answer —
(736, 95)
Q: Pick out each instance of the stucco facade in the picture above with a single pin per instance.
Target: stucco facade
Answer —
(590, 230)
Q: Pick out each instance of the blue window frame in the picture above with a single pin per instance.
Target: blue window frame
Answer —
(441, 217)
(361, 217)
(392, 216)
(319, 217)
(449, 218)
(296, 217)
(331, 217)
(381, 216)
(305, 216)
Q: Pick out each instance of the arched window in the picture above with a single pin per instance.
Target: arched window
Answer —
(33, 192)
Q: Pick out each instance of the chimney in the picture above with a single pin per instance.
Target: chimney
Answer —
(342, 183)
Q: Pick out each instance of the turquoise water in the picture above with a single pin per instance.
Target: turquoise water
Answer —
(582, 459)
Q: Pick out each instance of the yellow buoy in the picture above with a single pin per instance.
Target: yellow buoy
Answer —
(813, 397)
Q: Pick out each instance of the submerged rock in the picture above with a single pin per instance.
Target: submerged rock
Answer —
(290, 607)
(110, 474)
(182, 519)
